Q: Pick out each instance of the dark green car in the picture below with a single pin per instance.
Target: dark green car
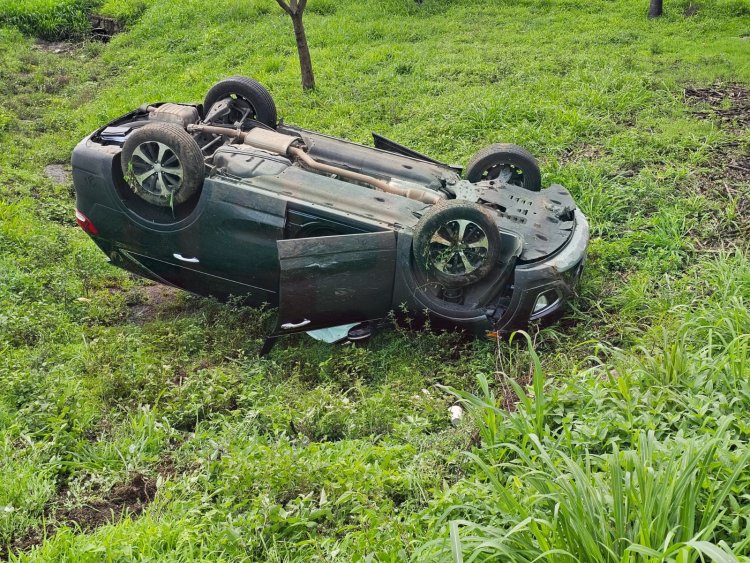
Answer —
(221, 199)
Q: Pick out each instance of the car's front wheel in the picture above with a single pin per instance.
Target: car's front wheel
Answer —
(507, 163)
(163, 164)
(456, 243)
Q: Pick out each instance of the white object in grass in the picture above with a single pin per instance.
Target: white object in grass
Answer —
(457, 413)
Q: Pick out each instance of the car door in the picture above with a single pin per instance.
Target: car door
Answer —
(228, 249)
(333, 280)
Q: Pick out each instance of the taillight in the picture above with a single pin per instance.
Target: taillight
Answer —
(85, 223)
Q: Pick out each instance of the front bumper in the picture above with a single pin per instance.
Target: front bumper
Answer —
(555, 278)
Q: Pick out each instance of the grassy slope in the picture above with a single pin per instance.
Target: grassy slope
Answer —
(89, 395)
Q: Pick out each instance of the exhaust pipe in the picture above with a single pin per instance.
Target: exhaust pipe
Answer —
(412, 193)
(278, 143)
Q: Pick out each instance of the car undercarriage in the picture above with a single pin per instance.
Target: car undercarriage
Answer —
(221, 199)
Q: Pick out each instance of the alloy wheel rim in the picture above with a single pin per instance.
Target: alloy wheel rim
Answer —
(458, 247)
(157, 168)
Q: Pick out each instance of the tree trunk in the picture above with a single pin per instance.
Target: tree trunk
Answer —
(305, 64)
(655, 8)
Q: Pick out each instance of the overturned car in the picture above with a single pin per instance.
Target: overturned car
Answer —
(221, 199)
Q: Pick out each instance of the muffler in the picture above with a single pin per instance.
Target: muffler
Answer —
(288, 145)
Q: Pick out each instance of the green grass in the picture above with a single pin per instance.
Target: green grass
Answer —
(48, 19)
(66, 19)
(621, 437)
(124, 11)
(651, 462)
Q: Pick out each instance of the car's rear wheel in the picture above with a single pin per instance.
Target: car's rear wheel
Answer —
(507, 163)
(245, 98)
(456, 243)
(163, 164)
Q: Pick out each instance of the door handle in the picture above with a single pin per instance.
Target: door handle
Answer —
(289, 326)
(181, 257)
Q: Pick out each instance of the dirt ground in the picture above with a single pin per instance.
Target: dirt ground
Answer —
(130, 497)
(729, 103)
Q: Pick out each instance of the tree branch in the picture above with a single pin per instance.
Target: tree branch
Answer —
(286, 7)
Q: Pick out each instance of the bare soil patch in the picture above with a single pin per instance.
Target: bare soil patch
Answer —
(167, 467)
(151, 300)
(737, 166)
(57, 173)
(57, 47)
(579, 153)
(129, 498)
(32, 538)
(727, 183)
(728, 187)
(729, 103)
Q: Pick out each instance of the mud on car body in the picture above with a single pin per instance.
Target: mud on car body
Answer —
(221, 199)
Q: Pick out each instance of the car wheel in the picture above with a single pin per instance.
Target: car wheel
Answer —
(163, 164)
(509, 163)
(249, 99)
(456, 243)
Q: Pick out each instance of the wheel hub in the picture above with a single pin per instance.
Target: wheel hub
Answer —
(506, 173)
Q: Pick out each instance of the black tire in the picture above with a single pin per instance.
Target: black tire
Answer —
(249, 93)
(170, 147)
(514, 164)
(456, 243)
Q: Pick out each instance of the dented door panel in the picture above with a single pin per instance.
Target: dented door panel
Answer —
(325, 281)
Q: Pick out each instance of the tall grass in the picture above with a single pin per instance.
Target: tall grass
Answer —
(671, 486)
(48, 19)
(66, 19)
(661, 501)
(124, 11)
